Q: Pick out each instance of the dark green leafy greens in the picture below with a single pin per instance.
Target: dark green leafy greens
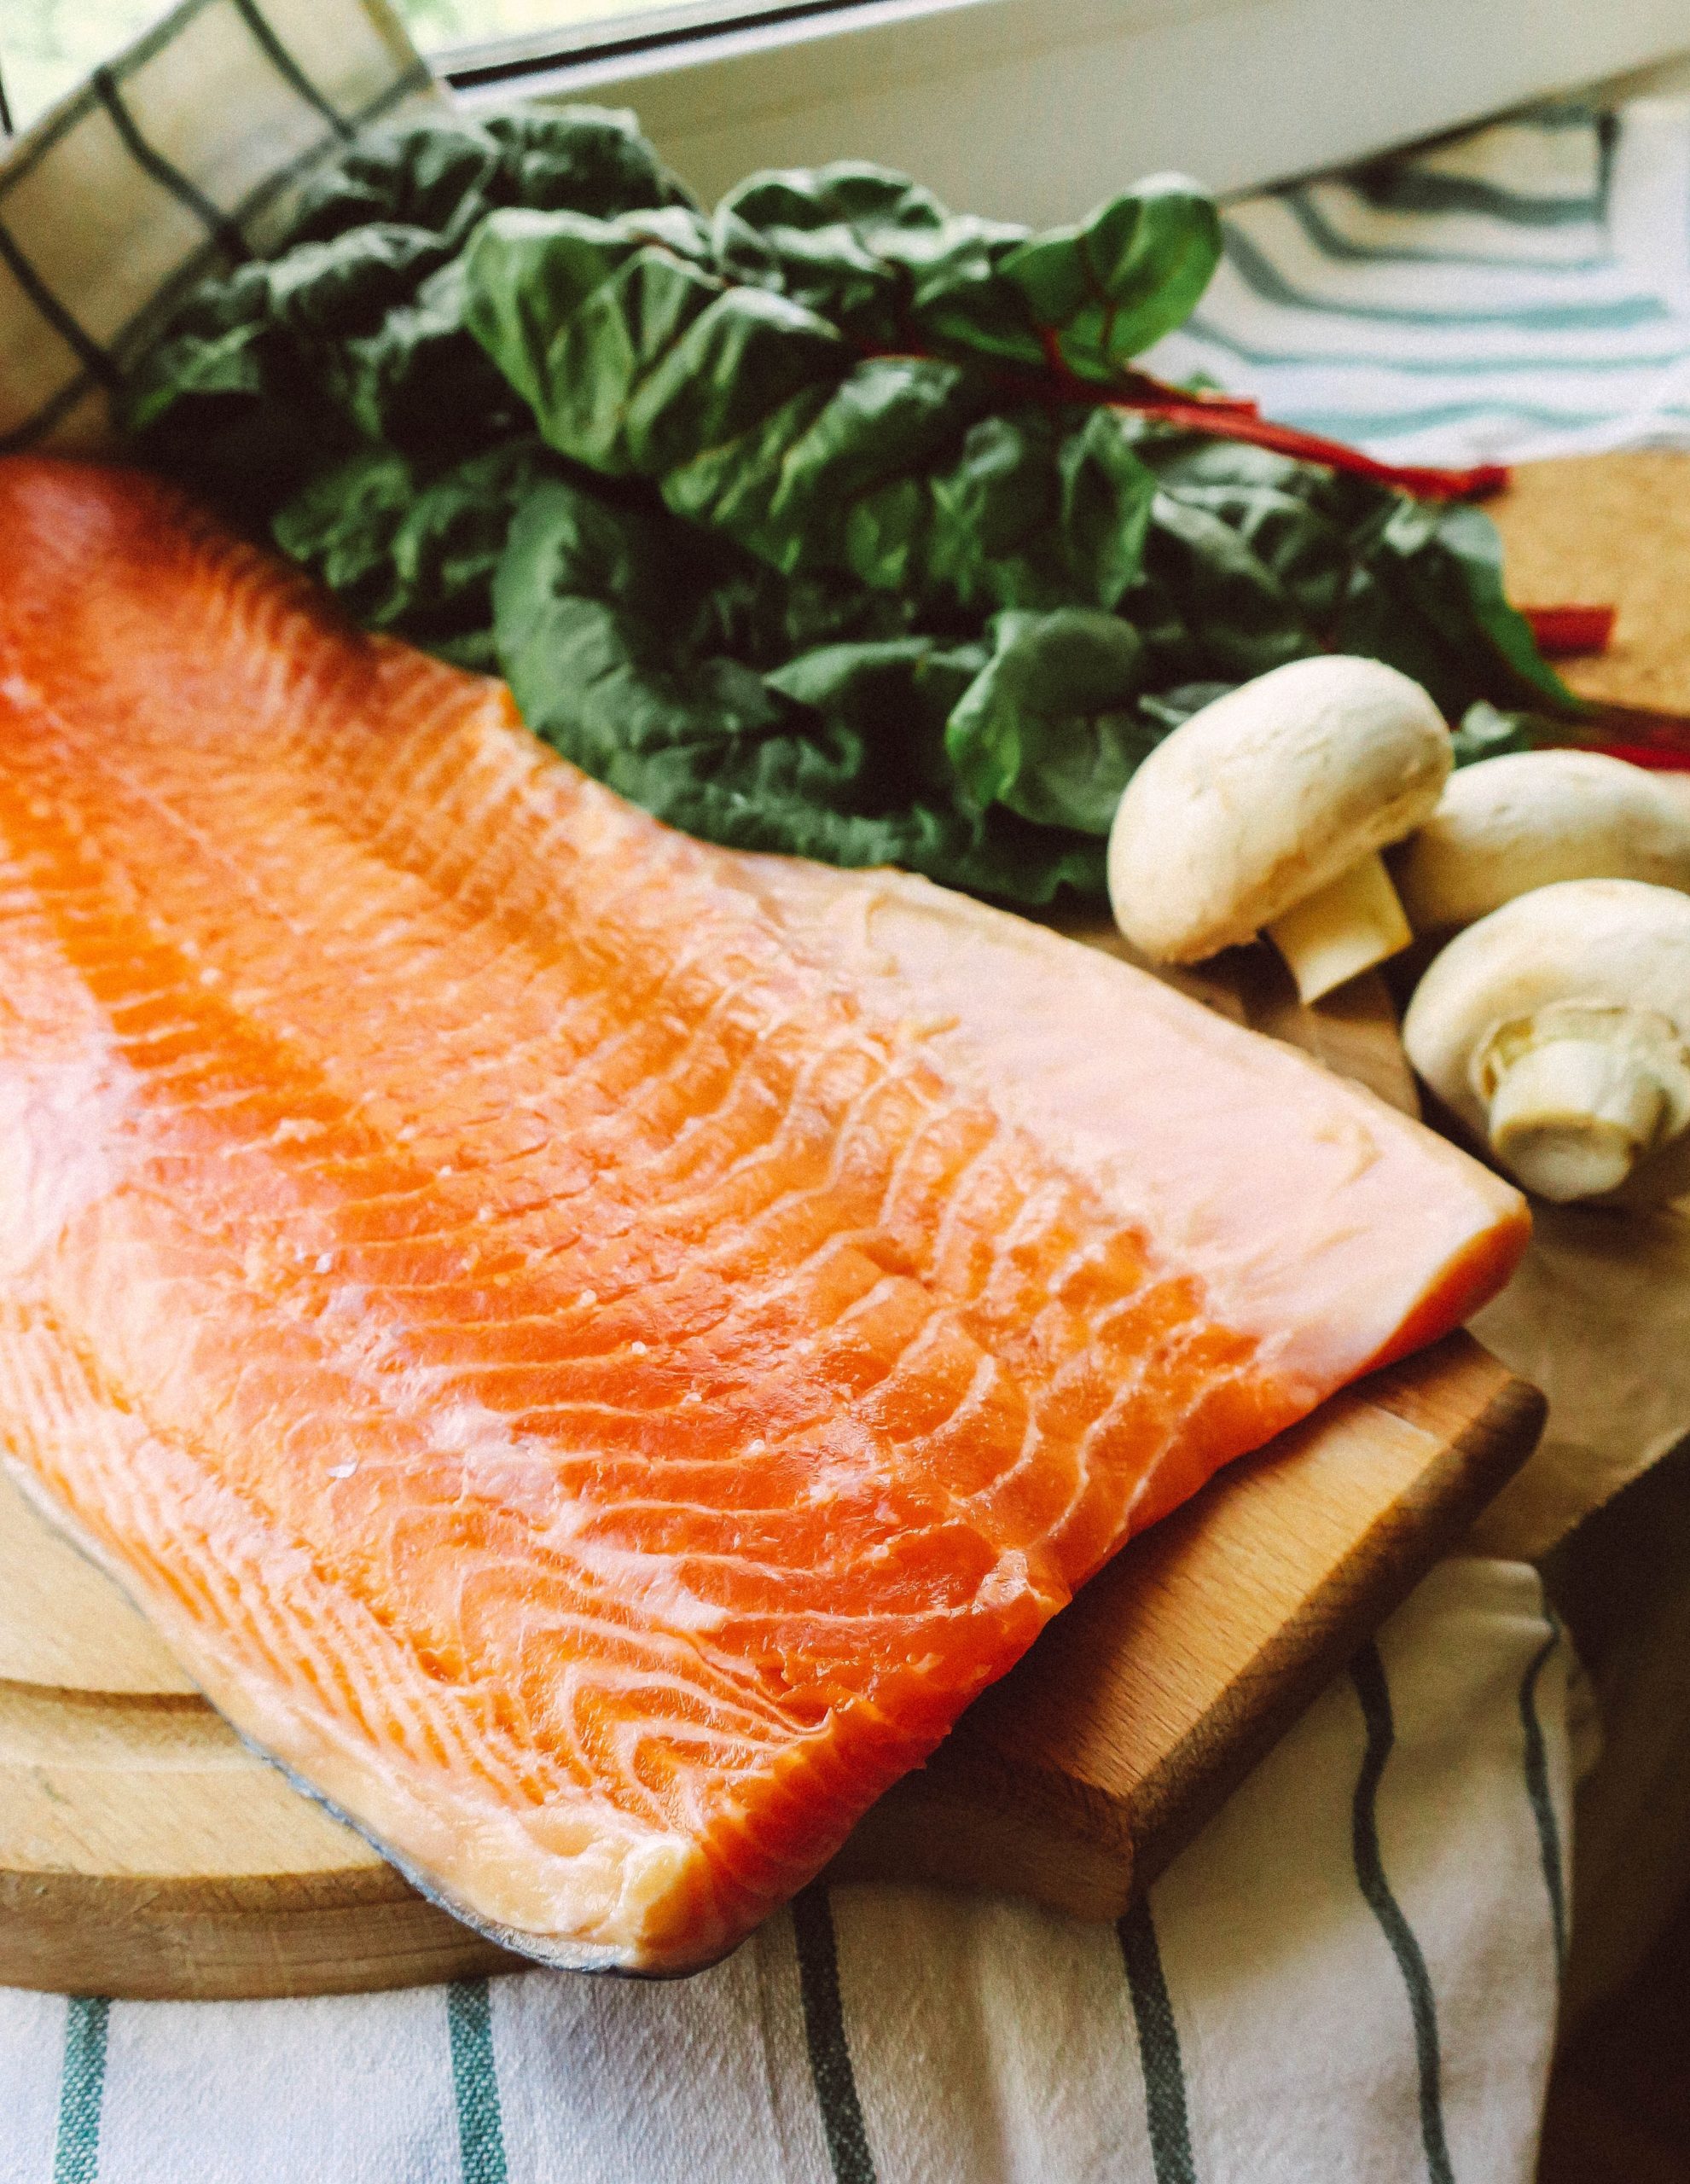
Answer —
(805, 524)
(351, 339)
(615, 646)
(1486, 732)
(409, 550)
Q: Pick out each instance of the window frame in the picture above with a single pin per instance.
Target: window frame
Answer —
(485, 62)
(1036, 109)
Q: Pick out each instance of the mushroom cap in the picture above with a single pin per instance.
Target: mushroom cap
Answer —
(1605, 943)
(1265, 796)
(1509, 825)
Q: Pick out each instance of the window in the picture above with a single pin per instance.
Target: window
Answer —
(468, 36)
(1021, 109)
(47, 46)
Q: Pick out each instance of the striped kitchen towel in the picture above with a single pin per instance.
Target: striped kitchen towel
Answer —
(1351, 1973)
(165, 164)
(1523, 290)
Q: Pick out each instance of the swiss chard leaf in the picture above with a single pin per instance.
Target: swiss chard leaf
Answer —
(796, 523)
(592, 610)
(406, 553)
(353, 329)
(444, 172)
(1103, 291)
(754, 418)
(870, 250)
(1426, 594)
(892, 268)
(1048, 728)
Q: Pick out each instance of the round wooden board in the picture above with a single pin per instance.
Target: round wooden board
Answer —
(143, 1849)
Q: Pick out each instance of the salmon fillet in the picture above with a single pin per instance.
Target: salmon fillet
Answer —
(593, 1348)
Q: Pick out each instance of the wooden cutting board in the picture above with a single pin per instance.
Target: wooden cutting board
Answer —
(145, 1851)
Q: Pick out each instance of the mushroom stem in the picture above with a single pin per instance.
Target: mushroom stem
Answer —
(1570, 1117)
(1343, 929)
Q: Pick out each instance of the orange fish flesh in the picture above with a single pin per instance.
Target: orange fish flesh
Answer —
(593, 1348)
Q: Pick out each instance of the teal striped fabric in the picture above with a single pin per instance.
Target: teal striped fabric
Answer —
(1352, 1972)
(1523, 290)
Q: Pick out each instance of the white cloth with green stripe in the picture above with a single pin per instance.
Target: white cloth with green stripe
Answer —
(1520, 291)
(1353, 1972)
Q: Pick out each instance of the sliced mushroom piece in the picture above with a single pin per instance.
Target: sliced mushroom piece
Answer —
(1267, 812)
(1557, 1030)
(1507, 826)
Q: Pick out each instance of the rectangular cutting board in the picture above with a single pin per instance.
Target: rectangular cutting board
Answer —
(144, 1852)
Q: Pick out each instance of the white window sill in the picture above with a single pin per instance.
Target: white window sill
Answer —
(1035, 109)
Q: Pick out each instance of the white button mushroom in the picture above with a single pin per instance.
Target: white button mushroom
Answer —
(1558, 1030)
(1267, 812)
(1508, 825)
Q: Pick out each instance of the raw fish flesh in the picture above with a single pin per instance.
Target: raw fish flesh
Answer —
(593, 1348)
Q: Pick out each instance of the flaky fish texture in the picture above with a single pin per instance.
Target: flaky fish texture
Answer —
(593, 1348)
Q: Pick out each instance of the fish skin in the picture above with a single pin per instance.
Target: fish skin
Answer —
(580, 1370)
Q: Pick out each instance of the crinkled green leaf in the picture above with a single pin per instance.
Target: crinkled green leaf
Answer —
(342, 526)
(589, 600)
(788, 521)
(877, 254)
(893, 267)
(1048, 728)
(753, 418)
(1240, 616)
(898, 693)
(1426, 594)
(1109, 504)
(444, 172)
(405, 554)
(1134, 270)
(353, 329)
